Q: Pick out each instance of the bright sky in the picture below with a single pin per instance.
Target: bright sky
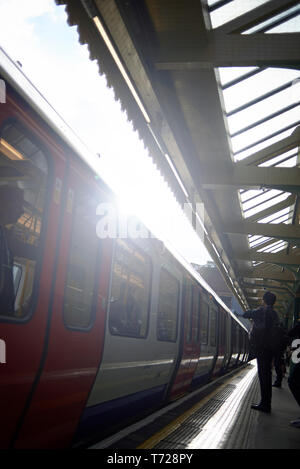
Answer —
(59, 66)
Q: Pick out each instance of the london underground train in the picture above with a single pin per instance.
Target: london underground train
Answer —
(97, 332)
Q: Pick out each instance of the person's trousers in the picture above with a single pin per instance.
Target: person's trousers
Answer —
(294, 381)
(264, 365)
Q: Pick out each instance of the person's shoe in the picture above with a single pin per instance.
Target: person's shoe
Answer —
(295, 423)
(276, 385)
(261, 408)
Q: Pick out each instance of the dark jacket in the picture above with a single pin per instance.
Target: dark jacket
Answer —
(264, 318)
(257, 314)
(294, 333)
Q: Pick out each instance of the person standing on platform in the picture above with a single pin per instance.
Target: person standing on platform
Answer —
(294, 377)
(264, 318)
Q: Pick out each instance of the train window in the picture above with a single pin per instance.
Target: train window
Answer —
(80, 288)
(130, 291)
(213, 326)
(23, 184)
(204, 323)
(167, 307)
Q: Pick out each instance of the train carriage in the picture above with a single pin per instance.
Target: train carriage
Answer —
(100, 331)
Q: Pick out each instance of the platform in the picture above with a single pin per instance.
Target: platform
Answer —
(219, 416)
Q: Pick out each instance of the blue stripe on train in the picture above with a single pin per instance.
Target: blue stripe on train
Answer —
(108, 414)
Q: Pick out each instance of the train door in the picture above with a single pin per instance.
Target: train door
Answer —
(76, 326)
(244, 346)
(240, 346)
(141, 337)
(30, 179)
(237, 344)
(221, 341)
(206, 356)
(228, 339)
(247, 347)
(196, 328)
(215, 336)
(234, 350)
(190, 347)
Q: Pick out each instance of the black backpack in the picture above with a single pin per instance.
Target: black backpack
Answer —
(267, 334)
(277, 339)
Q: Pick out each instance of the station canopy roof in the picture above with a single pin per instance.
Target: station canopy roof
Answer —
(213, 88)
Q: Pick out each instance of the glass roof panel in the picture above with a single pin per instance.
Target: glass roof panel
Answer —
(284, 212)
(290, 26)
(259, 240)
(267, 128)
(256, 86)
(288, 164)
(284, 246)
(212, 2)
(252, 238)
(263, 197)
(262, 109)
(270, 98)
(274, 247)
(233, 10)
(284, 219)
(275, 18)
(227, 74)
(249, 194)
(277, 159)
(260, 146)
(267, 204)
(256, 200)
(271, 246)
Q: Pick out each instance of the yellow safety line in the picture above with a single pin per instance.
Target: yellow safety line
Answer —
(157, 437)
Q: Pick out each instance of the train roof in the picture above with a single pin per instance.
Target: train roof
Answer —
(11, 72)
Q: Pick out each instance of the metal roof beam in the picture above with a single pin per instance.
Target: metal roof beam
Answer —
(189, 51)
(279, 259)
(276, 230)
(264, 285)
(277, 276)
(239, 175)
